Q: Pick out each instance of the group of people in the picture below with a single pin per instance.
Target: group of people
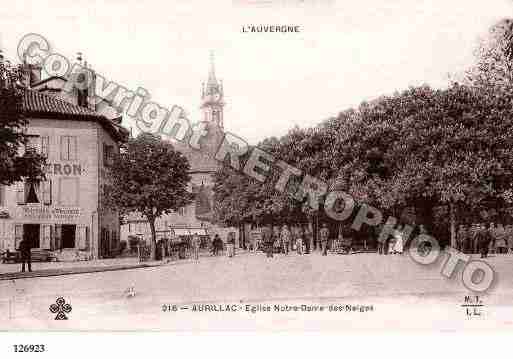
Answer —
(218, 245)
(481, 238)
(294, 238)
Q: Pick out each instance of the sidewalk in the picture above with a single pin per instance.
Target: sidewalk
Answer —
(50, 269)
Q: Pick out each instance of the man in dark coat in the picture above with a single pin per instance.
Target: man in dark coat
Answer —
(484, 238)
(25, 247)
(324, 234)
(268, 240)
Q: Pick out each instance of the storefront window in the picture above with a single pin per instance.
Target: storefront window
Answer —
(68, 236)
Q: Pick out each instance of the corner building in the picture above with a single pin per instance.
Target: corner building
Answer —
(65, 213)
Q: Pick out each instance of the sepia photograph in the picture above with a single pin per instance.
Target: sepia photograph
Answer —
(255, 166)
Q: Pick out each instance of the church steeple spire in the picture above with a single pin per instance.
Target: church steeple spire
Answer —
(212, 71)
(213, 86)
(212, 96)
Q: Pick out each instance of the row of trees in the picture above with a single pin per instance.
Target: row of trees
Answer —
(431, 156)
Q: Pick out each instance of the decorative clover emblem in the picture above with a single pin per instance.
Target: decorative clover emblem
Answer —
(61, 308)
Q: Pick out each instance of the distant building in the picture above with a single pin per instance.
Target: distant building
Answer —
(197, 217)
(65, 213)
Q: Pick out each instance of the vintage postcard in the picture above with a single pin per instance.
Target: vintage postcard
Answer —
(256, 165)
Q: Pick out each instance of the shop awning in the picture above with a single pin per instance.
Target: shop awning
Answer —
(181, 231)
(189, 231)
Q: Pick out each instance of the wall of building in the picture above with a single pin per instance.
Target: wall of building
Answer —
(74, 184)
(109, 227)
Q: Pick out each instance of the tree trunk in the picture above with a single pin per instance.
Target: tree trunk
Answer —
(424, 213)
(452, 214)
(153, 246)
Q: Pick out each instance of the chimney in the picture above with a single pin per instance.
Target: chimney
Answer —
(35, 73)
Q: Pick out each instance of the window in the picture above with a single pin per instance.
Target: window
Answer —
(32, 192)
(68, 191)
(107, 155)
(46, 192)
(215, 116)
(2, 196)
(33, 142)
(68, 148)
(41, 144)
(181, 211)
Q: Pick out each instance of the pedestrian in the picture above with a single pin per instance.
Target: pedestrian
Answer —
(381, 241)
(461, 238)
(473, 235)
(484, 239)
(196, 246)
(215, 244)
(26, 256)
(391, 244)
(308, 239)
(501, 243)
(324, 234)
(268, 241)
(285, 239)
(299, 240)
(509, 237)
(230, 244)
(398, 242)
(493, 236)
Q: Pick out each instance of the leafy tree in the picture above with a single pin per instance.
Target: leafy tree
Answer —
(494, 55)
(440, 152)
(15, 165)
(148, 177)
(428, 148)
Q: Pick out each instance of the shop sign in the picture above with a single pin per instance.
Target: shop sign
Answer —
(48, 213)
(64, 169)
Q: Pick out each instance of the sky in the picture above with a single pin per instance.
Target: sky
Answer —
(346, 52)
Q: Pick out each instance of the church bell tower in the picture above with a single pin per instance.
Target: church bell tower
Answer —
(212, 98)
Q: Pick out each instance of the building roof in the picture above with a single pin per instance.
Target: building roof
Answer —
(37, 104)
(48, 79)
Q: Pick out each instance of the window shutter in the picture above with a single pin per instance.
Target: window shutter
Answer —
(45, 146)
(58, 236)
(46, 237)
(18, 235)
(47, 192)
(20, 193)
(52, 238)
(64, 147)
(87, 238)
(72, 148)
(82, 236)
